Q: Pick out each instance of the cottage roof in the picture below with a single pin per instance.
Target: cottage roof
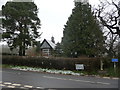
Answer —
(50, 43)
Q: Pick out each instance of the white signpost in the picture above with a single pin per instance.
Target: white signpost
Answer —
(114, 61)
(79, 66)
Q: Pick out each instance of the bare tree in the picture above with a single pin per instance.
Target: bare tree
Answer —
(109, 15)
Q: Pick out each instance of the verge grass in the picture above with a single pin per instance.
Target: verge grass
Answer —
(109, 71)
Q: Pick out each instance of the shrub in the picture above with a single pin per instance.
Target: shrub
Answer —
(91, 64)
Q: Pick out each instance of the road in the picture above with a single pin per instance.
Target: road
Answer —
(25, 79)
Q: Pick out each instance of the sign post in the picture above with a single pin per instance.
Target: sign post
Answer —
(114, 61)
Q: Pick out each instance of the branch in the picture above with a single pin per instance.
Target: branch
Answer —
(115, 5)
(115, 19)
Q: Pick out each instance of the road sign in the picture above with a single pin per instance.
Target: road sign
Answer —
(79, 66)
(114, 60)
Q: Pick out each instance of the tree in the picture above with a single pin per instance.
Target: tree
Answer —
(109, 16)
(82, 33)
(38, 47)
(112, 45)
(58, 50)
(21, 25)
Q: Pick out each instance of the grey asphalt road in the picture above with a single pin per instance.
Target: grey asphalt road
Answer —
(25, 79)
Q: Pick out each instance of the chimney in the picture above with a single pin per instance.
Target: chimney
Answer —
(82, 1)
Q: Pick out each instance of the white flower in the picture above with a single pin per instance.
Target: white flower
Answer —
(66, 72)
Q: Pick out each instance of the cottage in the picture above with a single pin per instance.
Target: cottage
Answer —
(47, 47)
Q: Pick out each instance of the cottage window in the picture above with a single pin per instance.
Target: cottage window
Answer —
(46, 51)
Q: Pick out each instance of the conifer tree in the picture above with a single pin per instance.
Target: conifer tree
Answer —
(82, 33)
(20, 24)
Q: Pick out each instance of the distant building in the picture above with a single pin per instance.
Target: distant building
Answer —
(5, 50)
(47, 47)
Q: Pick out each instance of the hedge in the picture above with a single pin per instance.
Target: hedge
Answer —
(90, 64)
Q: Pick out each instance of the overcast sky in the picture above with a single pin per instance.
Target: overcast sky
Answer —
(54, 15)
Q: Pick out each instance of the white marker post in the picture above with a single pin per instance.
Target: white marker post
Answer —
(114, 65)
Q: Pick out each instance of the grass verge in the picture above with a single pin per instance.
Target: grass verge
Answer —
(106, 73)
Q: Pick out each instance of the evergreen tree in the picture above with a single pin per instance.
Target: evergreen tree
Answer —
(21, 24)
(58, 50)
(82, 34)
(38, 47)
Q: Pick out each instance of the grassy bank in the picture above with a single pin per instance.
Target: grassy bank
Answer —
(107, 73)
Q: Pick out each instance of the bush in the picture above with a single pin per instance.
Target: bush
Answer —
(91, 64)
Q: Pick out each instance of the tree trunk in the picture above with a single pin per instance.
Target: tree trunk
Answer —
(20, 50)
(24, 48)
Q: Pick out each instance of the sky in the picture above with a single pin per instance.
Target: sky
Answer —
(53, 15)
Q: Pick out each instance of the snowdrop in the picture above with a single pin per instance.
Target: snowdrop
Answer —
(66, 72)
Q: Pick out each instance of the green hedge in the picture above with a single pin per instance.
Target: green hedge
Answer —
(91, 64)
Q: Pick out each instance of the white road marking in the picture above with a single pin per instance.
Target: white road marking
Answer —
(48, 77)
(77, 80)
(11, 86)
(22, 87)
(103, 83)
(51, 89)
(106, 77)
(81, 81)
(7, 83)
(64, 79)
(60, 78)
(40, 87)
(115, 78)
(55, 78)
(16, 84)
(2, 85)
(28, 86)
(70, 79)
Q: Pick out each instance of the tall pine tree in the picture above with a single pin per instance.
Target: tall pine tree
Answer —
(20, 24)
(82, 33)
